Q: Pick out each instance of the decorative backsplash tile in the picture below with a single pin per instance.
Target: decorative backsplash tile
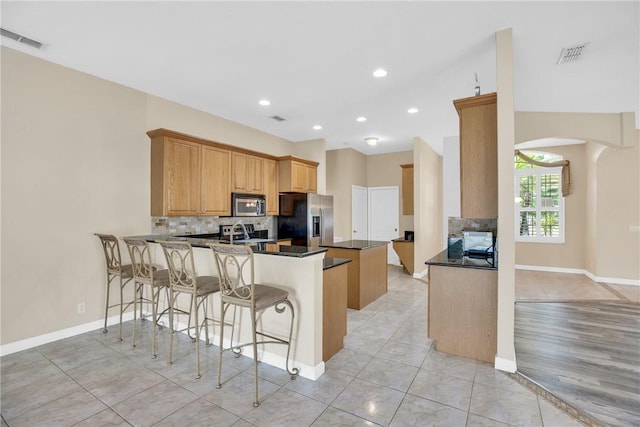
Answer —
(206, 224)
(458, 225)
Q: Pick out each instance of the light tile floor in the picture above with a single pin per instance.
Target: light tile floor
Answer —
(387, 374)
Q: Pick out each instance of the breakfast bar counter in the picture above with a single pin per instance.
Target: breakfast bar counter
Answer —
(299, 271)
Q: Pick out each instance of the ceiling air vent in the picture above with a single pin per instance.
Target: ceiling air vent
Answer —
(278, 118)
(572, 54)
(20, 39)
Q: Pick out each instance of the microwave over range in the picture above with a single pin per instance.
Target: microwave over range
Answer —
(248, 204)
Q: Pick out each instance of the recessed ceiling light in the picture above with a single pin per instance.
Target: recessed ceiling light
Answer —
(264, 102)
(372, 140)
(412, 110)
(317, 127)
(380, 72)
(361, 119)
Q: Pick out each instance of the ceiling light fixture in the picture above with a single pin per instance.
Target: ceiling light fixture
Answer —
(361, 119)
(412, 110)
(380, 72)
(372, 140)
(317, 127)
(264, 102)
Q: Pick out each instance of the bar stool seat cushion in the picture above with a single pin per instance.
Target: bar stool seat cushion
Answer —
(207, 285)
(265, 296)
(126, 269)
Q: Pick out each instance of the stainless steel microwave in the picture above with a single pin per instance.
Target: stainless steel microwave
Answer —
(248, 204)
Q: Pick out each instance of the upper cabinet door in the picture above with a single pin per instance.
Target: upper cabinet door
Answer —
(271, 186)
(182, 177)
(216, 181)
(255, 175)
(239, 164)
(297, 175)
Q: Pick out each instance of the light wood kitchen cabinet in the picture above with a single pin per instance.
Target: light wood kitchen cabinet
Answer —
(216, 179)
(407, 189)
(462, 308)
(334, 310)
(248, 173)
(188, 178)
(271, 185)
(192, 176)
(297, 175)
(478, 156)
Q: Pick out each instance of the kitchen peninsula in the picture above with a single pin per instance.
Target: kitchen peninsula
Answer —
(463, 304)
(299, 270)
(367, 273)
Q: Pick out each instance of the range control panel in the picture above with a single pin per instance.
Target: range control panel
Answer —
(225, 230)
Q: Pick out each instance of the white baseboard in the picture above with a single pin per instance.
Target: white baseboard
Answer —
(61, 334)
(421, 274)
(306, 371)
(613, 280)
(600, 279)
(505, 365)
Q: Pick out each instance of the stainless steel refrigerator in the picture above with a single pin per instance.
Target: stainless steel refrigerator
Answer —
(306, 219)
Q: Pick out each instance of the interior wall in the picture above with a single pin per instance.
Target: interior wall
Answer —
(571, 253)
(450, 181)
(617, 251)
(384, 170)
(75, 161)
(427, 203)
(162, 113)
(345, 168)
(609, 183)
(505, 357)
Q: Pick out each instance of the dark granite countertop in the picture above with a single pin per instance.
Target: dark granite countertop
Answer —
(402, 239)
(356, 244)
(258, 248)
(330, 262)
(465, 262)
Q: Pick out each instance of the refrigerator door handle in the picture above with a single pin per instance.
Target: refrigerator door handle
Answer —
(322, 226)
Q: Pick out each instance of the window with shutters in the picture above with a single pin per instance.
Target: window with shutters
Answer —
(539, 204)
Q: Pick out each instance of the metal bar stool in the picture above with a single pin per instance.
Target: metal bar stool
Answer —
(155, 278)
(115, 269)
(238, 288)
(183, 280)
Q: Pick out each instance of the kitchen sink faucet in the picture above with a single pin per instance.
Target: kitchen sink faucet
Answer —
(233, 227)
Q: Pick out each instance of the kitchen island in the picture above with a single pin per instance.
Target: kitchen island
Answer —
(463, 303)
(299, 270)
(367, 273)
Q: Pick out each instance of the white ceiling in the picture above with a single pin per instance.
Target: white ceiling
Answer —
(314, 60)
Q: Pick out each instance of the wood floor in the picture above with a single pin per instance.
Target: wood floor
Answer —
(586, 353)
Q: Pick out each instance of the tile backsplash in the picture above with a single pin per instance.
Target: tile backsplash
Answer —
(206, 224)
(458, 225)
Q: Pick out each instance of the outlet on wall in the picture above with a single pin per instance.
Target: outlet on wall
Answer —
(81, 308)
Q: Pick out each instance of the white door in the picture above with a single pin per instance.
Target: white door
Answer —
(359, 229)
(384, 217)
